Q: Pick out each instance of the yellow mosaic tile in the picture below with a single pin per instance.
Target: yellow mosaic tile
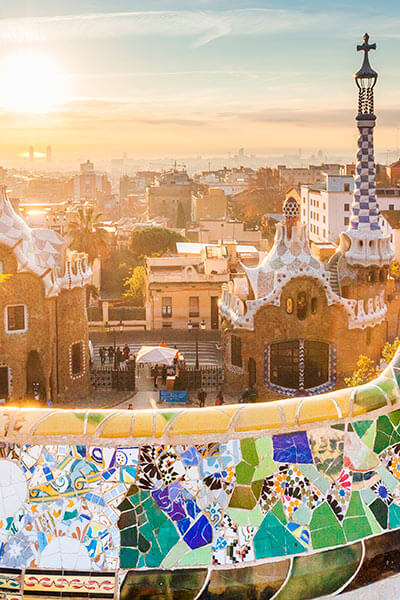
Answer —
(342, 398)
(200, 421)
(62, 422)
(318, 408)
(118, 426)
(143, 423)
(290, 407)
(94, 420)
(254, 417)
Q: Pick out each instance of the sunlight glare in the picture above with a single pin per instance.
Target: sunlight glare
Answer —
(31, 83)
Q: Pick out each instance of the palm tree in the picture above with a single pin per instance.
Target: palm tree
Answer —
(87, 234)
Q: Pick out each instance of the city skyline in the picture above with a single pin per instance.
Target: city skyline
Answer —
(174, 78)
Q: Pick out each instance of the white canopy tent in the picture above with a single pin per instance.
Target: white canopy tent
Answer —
(156, 355)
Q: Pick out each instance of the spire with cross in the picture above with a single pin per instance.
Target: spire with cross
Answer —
(368, 243)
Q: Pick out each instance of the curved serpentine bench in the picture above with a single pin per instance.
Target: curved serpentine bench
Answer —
(291, 499)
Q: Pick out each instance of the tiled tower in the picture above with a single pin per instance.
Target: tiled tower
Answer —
(364, 243)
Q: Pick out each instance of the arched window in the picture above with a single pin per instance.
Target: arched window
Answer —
(313, 305)
(301, 306)
(289, 306)
(298, 364)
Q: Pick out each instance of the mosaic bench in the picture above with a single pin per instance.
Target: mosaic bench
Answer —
(290, 499)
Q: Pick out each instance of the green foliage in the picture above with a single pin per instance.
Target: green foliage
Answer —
(117, 267)
(153, 241)
(365, 371)
(86, 234)
(135, 285)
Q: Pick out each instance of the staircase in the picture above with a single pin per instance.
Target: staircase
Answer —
(333, 273)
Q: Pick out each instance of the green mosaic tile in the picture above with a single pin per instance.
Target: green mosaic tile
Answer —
(256, 517)
(266, 467)
(249, 451)
(241, 517)
(321, 574)
(361, 427)
(369, 397)
(264, 446)
(356, 507)
(367, 496)
(386, 435)
(244, 473)
(128, 557)
(380, 511)
(176, 554)
(200, 556)
(256, 487)
(311, 472)
(369, 437)
(303, 515)
(325, 528)
(356, 528)
(387, 478)
(259, 582)
(242, 497)
(394, 516)
(279, 512)
(388, 386)
(395, 417)
(273, 539)
(373, 523)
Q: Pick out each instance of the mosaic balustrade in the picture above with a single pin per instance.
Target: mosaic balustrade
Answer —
(245, 500)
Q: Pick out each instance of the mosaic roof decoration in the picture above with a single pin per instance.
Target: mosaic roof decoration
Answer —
(137, 497)
(42, 252)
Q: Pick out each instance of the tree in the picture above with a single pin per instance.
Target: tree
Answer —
(153, 241)
(87, 234)
(180, 216)
(366, 370)
(135, 285)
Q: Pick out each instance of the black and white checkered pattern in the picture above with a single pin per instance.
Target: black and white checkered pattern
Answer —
(365, 212)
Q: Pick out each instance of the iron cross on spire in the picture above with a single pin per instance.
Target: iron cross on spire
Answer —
(365, 46)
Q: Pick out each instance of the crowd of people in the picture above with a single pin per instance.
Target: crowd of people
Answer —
(108, 355)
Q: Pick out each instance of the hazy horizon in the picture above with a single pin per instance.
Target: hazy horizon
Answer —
(179, 78)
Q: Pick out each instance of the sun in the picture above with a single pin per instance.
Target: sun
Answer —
(31, 82)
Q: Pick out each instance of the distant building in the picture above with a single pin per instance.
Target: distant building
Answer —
(171, 197)
(393, 172)
(188, 285)
(43, 321)
(90, 185)
(311, 175)
(391, 227)
(209, 204)
(214, 231)
(326, 209)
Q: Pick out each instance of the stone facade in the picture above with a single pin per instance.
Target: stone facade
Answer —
(43, 321)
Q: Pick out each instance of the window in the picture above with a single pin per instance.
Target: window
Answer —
(313, 305)
(324, 219)
(346, 220)
(289, 306)
(194, 306)
(167, 307)
(76, 358)
(16, 318)
(391, 206)
(346, 187)
(289, 360)
(301, 306)
(236, 351)
(347, 207)
(324, 233)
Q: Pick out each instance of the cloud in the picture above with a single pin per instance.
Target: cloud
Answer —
(202, 26)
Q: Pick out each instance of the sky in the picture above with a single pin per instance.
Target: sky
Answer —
(154, 78)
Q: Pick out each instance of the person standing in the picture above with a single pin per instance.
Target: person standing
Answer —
(126, 352)
(164, 374)
(110, 354)
(219, 401)
(102, 352)
(155, 375)
(201, 397)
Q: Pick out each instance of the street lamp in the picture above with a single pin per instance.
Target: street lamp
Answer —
(190, 326)
(114, 331)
